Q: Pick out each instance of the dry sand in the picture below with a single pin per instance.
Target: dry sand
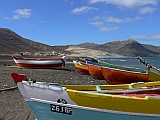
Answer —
(12, 104)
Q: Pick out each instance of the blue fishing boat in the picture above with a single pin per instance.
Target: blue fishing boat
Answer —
(48, 101)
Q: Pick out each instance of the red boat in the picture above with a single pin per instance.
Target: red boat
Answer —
(81, 67)
(118, 76)
(52, 62)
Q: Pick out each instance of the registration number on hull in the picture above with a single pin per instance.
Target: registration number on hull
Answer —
(61, 109)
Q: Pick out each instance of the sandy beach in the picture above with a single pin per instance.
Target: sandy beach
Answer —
(12, 104)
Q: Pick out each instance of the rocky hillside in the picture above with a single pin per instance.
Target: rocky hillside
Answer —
(125, 48)
(11, 43)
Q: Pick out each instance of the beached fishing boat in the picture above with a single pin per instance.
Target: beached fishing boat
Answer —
(82, 102)
(95, 70)
(153, 72)
(81, 67)
(126, 68)
(116, 74)
(85, 59)
(25, 62)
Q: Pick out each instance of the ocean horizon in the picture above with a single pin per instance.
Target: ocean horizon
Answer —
(132, 61)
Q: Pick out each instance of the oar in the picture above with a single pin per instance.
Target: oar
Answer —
(147, 64)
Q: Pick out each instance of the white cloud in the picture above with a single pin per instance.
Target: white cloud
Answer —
(126, 3)
(146, 37)
(95, 18)
(112, 19)
(96, 23)
(83, 9)
(22, 13)
(145, 10)
(67, 1)
(120, 20)
(106, 29)
(100, 22)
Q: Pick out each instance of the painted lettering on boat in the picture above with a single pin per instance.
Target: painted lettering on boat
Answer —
(61, 100)
(61, 109)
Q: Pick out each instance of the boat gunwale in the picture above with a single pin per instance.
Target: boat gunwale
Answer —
(139, 70)
(111, 69)
(95, 109)
(82, 92)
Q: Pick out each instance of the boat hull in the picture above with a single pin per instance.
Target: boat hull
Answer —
(81, 68)
(115, 76)
(82, 71)
(95, 71)
(154, 74)
(42, 110)
(49, 101)
(51, 65)
(38, 62)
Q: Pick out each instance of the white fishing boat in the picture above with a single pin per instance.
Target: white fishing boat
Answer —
(48, 101)
(52, 62)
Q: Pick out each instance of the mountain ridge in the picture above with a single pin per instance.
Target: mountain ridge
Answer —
(11, 43)
(126, 48)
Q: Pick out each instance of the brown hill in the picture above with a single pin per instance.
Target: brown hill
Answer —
(11, 43)
(125, 48)
(136, 49)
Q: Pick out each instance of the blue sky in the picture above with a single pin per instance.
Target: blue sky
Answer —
(65, 22)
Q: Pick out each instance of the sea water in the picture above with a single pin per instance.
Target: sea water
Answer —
(132, 61)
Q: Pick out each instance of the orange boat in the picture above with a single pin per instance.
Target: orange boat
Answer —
(119, 76)
(95, 70)
(81, 67)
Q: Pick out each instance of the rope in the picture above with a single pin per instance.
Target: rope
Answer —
(28, 113)
(7, 89)
(147, 64)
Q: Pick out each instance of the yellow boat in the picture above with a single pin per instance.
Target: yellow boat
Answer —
(81, 67)
(138, 101)
(153, 72)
